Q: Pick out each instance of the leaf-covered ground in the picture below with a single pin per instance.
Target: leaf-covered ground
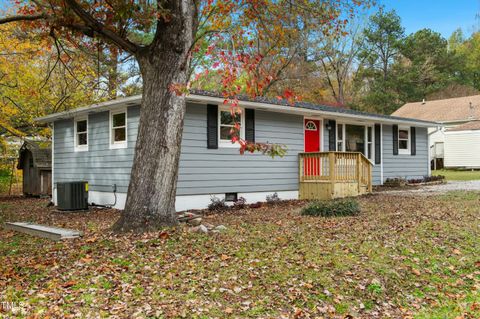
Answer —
(400, 258)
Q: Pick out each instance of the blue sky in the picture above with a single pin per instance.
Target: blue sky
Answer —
(443, 16)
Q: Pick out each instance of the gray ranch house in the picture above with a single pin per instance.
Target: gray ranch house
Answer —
(331, 151)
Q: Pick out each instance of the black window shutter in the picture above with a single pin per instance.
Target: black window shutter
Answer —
(413, 141)
(395, 139)
(212, 126)
(378, 146)
(250, 125)
(332, 136)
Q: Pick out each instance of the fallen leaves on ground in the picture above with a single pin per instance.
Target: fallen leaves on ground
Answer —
(400, 258)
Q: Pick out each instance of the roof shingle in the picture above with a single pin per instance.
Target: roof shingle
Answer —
(469, 126)
(448, 110)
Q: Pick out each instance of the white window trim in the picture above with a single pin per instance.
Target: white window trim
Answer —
(402, 151)
(77, 147)
(120, 144)
(372, 127)
(343, 136)
(228, 143)
(344, 131)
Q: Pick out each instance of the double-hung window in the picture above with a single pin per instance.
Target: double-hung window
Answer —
(226, 126)
(118, 129)
(81, 134)
(403, 140)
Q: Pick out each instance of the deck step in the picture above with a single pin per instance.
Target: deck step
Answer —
(54, 233)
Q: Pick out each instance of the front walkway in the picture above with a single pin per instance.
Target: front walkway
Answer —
(438, 189)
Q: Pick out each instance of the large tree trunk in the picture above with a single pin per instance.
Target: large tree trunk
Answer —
(151, 194)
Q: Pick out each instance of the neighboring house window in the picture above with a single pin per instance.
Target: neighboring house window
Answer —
(340, 139)
(118, 129)
(81, 135)
(403, 140)
(226, 125)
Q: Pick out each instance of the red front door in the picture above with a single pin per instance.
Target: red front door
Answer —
(312, 135)
(312, 166)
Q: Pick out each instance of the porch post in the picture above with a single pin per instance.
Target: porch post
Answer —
(370, 179)
(359, 161)
(331, 160)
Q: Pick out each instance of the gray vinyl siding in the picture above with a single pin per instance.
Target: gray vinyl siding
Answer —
(202, 170)
(377, 174)
(100, 166)
(213, 171)
(222, 170)
(405, 166)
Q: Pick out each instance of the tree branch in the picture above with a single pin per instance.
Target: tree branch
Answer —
(33, 17)
(100, 28)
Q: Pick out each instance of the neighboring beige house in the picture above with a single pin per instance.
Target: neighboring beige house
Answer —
(457, 143)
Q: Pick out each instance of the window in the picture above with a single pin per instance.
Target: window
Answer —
(370, 150)
(403, 140)
(310, 126)
(118, 131)
(340, 140)
(81, 135)
(356, 138)
(226, 126)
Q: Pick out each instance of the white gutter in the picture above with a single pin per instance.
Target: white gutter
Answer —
(435, 131)
(135, 100)
(94, 108)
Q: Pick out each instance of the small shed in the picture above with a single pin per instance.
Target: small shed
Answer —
(35, 161)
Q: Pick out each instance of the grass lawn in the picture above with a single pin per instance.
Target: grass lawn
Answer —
(452, 175)
(402, 257)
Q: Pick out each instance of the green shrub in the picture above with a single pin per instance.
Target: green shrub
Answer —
(338, 207)
(4, 180)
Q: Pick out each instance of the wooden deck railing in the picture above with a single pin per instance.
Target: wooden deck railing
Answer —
(336, 167)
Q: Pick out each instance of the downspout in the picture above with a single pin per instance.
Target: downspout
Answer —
(381, 153)
(52, 176)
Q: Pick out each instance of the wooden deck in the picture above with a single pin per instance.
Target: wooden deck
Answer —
(329, 175)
